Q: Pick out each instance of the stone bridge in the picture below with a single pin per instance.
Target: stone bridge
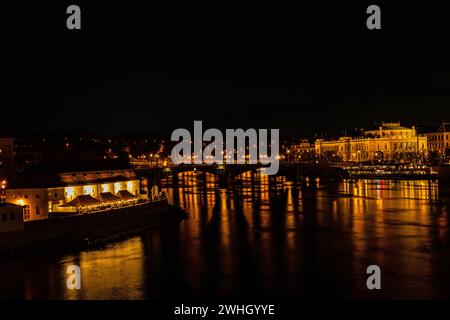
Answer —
(229, 172)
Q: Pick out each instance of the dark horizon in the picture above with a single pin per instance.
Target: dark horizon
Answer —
(141, 133)
(151, 71)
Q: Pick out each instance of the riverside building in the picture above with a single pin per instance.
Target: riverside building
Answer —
(389, 142)
(46, 192)
(439, 141)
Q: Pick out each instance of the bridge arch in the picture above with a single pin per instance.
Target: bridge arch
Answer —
(325, 172)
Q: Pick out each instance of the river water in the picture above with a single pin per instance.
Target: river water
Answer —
(264, 238)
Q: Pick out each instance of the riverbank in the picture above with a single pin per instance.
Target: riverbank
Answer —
(88, 230)
(392, 172)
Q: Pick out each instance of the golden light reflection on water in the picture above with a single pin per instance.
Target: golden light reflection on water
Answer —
(116, 272)
(387, 222)
(267, 236)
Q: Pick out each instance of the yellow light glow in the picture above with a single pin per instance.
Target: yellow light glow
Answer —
(88, 189)
(130, 186)
(21, 202)
(70, 192)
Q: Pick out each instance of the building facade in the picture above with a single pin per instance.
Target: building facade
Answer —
(11, 217)
(389, 142)
(304, 151)
(439, 141)
(74, 192)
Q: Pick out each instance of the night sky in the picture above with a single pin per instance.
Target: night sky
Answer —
(307, 68)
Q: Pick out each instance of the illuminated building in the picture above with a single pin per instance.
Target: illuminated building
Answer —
(438, 142)
(303, 151)
(73, 192)
(390, 142)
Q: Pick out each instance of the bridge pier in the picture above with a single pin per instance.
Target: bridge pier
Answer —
(231, 177)
(299, 175)
(175, 179)
(156, 178)
(203, 180)
(227, 174)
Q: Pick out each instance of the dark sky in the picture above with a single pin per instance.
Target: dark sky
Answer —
(304, 68)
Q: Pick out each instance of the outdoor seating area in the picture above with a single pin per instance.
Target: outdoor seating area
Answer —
(105, 201)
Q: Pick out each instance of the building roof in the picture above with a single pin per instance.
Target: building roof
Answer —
(109, 197)
(126, 195)
(423, 129)
(445, 127)
(82, 201)
(48, 174)
(77, 165)
(7, 204)
(393, 126)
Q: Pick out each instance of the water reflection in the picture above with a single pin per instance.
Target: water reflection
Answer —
(266, 237)
(269, 237)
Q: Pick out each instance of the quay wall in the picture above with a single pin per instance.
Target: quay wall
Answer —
(55, 232)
